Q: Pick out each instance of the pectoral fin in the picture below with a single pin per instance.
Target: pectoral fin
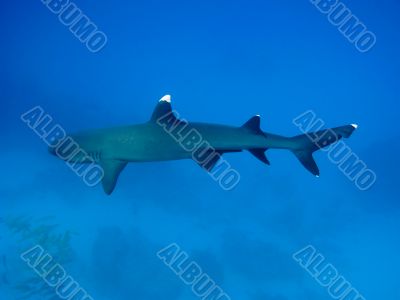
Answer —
(112, 169)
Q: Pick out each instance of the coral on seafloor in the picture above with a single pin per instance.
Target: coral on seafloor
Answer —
(27, 233)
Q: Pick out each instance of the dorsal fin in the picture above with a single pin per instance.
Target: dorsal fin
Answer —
(253, 125)
(163, 108)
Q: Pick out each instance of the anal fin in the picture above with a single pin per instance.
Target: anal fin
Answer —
(260, 154)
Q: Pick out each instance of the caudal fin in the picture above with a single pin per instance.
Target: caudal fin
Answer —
(306, 144)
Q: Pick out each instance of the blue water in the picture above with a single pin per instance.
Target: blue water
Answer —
(222, 62)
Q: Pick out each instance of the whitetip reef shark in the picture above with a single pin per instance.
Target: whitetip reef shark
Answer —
(160, 139)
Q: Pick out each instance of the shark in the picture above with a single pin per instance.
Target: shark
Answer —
(165, 137)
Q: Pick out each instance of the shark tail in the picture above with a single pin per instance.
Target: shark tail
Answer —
(305, 145)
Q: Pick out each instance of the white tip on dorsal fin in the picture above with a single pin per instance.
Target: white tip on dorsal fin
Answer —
(354, 125)
(166, 98)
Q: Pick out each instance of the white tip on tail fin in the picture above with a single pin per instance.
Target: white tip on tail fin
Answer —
(304, 146)
(166, 98)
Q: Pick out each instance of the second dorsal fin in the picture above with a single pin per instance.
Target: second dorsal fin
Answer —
(253, 125)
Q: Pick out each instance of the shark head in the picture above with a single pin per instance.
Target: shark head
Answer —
(73, 148)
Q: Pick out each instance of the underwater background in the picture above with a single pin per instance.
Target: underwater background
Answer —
(222, 62)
